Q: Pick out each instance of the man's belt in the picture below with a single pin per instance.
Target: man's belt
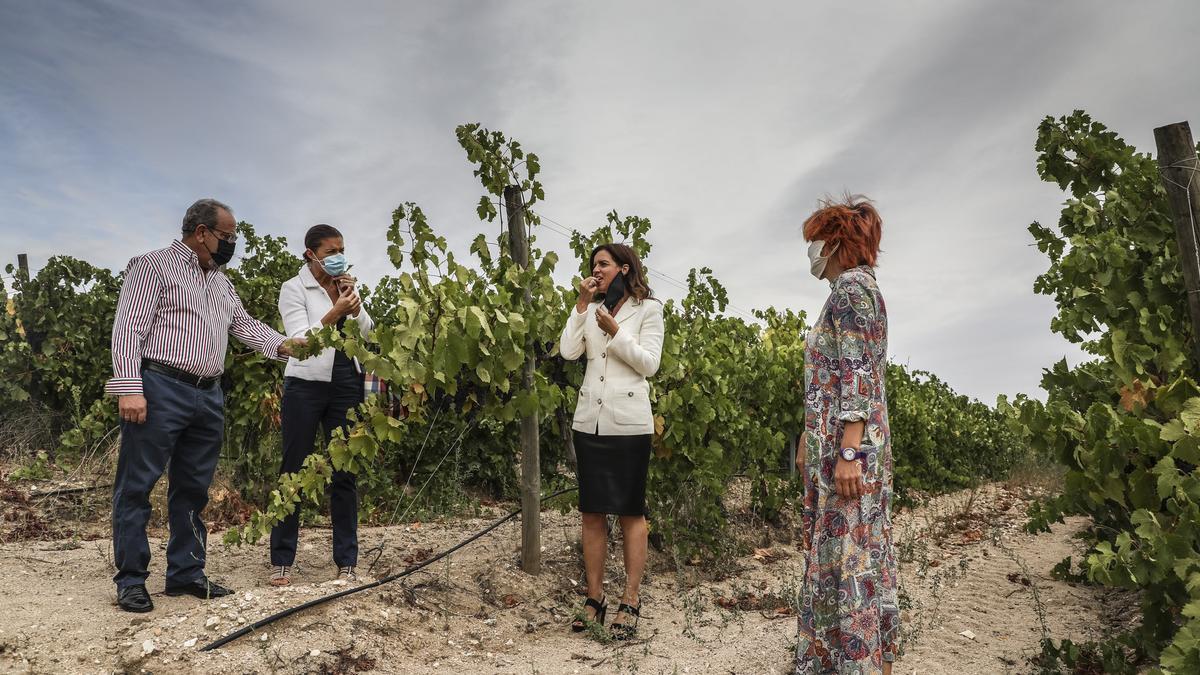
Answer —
(181, 375)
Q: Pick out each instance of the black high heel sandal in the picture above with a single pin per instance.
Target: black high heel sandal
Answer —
(581, 622)
(621, 631)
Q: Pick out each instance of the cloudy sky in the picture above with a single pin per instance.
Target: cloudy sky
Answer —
(721, 122)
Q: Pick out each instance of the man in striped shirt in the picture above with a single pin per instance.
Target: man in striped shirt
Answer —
(174, 317)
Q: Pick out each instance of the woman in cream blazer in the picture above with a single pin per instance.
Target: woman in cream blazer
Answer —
(319, 390)
(619, 326)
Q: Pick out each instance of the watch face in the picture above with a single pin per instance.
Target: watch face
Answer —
(849, 454)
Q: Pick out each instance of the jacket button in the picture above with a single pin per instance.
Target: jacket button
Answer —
(599, 402)
(631, 394)
(601, 378)
(603, 355)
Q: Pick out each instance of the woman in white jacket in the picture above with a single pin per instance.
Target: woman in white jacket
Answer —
(619, 326)
(319, 390)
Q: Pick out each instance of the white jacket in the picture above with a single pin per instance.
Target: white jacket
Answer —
(614, 399)
(302, 303)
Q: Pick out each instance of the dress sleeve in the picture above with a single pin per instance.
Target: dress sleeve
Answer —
(853, 320)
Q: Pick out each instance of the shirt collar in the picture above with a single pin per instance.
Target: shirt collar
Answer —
(865, 269)
(185, 254)
(307, 278)
(188, 257)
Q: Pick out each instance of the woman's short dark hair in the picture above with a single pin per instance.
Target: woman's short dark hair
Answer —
(635, 278)
(317, 234)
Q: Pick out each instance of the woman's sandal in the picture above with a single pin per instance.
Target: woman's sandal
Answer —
(280, 575)
(621, 631)
(581, 621)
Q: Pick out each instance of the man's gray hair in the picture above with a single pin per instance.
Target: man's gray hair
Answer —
(203, 212)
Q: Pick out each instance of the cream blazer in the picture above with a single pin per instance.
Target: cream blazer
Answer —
(614, 399)
(302, 303)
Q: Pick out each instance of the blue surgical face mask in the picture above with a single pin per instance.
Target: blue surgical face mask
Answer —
(335, 265)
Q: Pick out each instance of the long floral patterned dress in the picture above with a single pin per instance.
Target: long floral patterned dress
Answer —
(849, 621)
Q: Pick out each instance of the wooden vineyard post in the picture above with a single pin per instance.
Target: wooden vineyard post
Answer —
(789, 454)
(33, 338)
(1178, 166)
(531, 478)
(564, 424)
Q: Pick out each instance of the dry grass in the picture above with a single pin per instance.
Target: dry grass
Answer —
(1038, 478)
(27, 429)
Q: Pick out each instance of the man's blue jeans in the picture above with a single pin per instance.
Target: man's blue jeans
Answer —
(182, 434)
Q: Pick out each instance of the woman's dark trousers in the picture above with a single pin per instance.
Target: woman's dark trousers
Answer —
(307, 404)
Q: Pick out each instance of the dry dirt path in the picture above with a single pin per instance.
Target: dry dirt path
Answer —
(964, 571)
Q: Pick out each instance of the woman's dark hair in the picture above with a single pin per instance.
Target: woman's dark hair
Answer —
(635, 278)
(317, 234)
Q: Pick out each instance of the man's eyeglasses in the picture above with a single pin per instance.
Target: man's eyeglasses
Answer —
(230, 237)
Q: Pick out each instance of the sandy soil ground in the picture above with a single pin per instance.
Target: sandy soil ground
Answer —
(977, 592)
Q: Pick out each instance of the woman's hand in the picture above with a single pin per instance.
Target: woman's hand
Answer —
(848, 476)
(587, 291)
(606, 321)
(848, 479)
(348, 303)
(801, 451)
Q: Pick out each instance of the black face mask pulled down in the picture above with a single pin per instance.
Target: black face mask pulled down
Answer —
(616, 291)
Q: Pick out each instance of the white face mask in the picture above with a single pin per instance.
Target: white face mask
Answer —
(816, 261)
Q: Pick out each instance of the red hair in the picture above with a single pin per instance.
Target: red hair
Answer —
(852, 223)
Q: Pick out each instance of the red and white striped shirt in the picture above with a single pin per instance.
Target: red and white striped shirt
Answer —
(173, 311)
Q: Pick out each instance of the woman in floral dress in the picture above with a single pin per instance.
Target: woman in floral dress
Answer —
(849, 621)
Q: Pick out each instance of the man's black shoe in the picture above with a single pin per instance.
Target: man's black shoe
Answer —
(134, 599)
(201, 588)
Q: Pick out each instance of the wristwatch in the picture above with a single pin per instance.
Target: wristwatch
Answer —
(851, 454)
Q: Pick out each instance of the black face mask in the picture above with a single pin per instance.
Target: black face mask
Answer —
(224, 252)
(616, 291)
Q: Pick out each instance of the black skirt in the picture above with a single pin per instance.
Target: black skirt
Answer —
(612, 473)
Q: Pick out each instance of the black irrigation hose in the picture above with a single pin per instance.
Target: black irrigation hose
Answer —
(323, 599)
